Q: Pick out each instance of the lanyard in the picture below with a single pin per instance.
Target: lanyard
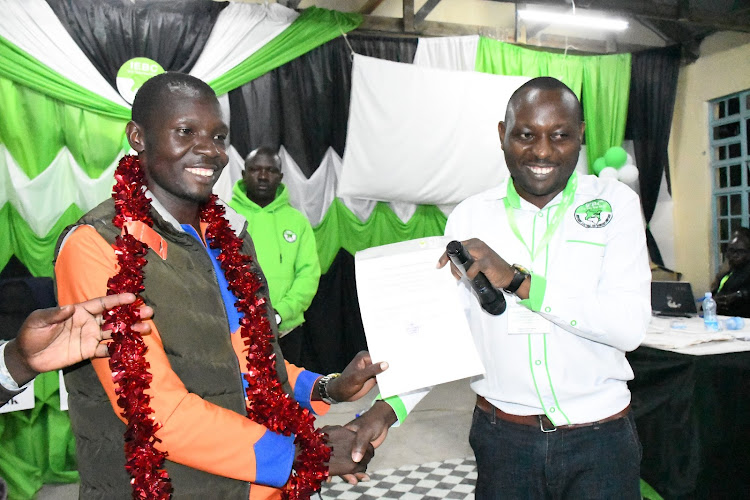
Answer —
(723, 280)
(567, 200)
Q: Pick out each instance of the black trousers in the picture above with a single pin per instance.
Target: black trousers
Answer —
(291, 346)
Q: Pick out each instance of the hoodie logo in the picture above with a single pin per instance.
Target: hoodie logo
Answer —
(290, 236)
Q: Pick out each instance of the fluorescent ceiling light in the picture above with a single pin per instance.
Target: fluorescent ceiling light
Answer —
(579, 20)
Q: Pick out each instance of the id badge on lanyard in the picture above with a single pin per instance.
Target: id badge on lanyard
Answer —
(522, 321)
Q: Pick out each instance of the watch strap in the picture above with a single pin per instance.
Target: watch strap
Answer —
(518, 278)
(323, 387)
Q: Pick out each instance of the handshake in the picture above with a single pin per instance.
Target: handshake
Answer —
(353, 445)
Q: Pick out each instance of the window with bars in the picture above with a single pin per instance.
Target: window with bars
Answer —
(729, 132)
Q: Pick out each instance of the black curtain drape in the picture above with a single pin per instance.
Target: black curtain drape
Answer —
(653, 88)
(110, 32)
(304, 106)
(333, 331)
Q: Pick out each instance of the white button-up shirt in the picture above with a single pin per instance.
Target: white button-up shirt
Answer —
(591, 285)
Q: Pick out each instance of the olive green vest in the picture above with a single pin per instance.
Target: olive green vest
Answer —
(191, 319)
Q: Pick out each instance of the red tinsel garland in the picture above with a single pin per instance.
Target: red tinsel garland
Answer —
(268, 404)
(129, 368)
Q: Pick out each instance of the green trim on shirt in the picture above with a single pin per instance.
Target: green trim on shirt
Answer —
(513, 197)
(398, 407)
(536, 293)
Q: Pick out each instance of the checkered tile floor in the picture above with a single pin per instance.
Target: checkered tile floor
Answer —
(452, 479)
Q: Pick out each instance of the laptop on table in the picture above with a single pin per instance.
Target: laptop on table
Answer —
(673, 299)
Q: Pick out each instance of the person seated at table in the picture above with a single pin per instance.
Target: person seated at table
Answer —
(731, 288)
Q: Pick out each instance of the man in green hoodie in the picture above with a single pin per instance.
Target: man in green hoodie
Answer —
(284, 242)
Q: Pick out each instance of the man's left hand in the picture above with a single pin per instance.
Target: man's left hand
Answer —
(357, 378)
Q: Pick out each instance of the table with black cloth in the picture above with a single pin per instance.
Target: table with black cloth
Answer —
(692, 410)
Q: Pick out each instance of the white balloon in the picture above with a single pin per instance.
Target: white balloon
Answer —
(608, 173)
(628, 174)
(630, 160)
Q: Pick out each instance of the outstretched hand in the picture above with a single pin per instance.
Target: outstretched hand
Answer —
(51, 339)
(357, 378)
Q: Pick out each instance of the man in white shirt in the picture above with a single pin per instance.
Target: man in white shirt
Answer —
(552, 418)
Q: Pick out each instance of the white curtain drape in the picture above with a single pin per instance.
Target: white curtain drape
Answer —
(63, 177)
(458, 53)
(400, 147)
(33, 27)
(240, 30)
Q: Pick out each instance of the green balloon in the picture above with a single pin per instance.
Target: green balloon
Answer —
(616, 157)
(598, 165)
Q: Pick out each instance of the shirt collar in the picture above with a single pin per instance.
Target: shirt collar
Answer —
(236, 221)
(163, 212)
(517, 202)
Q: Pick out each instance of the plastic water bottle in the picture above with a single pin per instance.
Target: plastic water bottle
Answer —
(710, 320)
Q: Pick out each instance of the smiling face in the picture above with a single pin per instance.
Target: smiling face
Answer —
(541, 139)
(182, 149)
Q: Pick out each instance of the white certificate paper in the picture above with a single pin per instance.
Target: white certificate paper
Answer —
(413, 316)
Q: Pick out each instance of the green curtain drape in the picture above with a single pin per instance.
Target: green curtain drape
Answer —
(601, 82)
(312, 28)
(35, 127)
(606, 90)
(42, 112)
(19, 67)
(341, 228)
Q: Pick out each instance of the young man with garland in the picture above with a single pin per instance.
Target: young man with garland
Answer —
(552, 417)
(284, 242)
(208, 390)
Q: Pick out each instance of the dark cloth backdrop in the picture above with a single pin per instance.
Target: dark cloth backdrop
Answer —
(653, 89)
(304, 106)
(110, 32)
(690, 413)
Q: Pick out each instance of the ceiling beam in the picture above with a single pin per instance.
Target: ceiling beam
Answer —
(395, 26)
(370, 6)
(408, 15)
(425, 10)
(655, 10)
(390, 26)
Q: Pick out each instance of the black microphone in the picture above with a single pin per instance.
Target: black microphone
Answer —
(490, 298)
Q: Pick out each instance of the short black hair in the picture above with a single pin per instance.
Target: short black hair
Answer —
(265, 151)
(542, 83)
(151, 95)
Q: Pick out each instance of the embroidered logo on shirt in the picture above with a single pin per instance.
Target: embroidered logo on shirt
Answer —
(290, 236)
(595, 213)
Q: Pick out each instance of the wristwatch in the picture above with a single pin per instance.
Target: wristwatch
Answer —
(521, 273)
(323, 387)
